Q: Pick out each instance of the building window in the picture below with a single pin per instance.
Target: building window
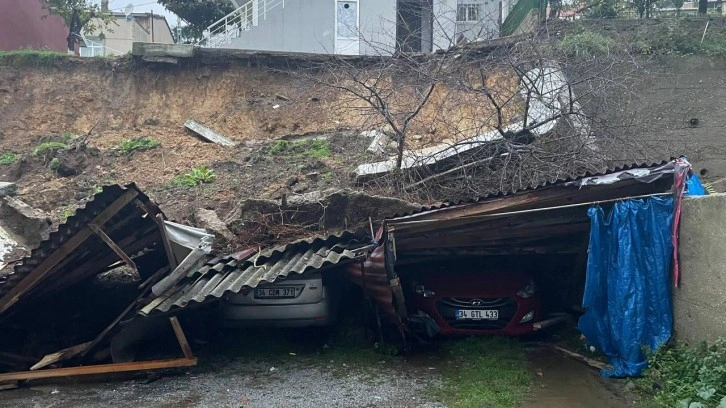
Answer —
(467, 12)
(94, 48)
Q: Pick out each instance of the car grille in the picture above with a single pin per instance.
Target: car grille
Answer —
(506, 306)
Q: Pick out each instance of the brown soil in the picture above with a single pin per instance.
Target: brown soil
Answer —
(107, 102)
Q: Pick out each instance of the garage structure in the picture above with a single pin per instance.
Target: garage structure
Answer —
(542, 231)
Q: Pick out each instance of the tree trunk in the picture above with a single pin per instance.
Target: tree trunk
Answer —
(399, 156)
(702, 6)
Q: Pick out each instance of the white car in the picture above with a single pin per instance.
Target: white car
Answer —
(297, 301)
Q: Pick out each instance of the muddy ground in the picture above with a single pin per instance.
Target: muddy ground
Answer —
(319, 379)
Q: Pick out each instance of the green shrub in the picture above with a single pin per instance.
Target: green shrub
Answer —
(54, 164)
(585, 44)
(8, 158)
(198, 175)
(140, 143)
(312, 148)
(49, 146)
(679, 375)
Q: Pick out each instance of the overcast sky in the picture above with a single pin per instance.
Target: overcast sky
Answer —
(143, 6)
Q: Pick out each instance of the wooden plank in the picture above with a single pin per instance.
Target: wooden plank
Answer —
(180, 337)
(98, 231)
(159, 219)
(9, 386)
(98, 369)
(61, 253)
(60, 355)
(550, 322)
(207, 133)
(579, 357)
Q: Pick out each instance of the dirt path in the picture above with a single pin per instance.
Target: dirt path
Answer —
(565, 383)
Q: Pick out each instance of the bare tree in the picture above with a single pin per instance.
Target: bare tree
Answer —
(486, 116)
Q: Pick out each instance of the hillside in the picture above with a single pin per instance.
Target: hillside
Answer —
(68, 126)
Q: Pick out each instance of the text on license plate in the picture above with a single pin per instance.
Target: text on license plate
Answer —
(478, 314)
(280, 292)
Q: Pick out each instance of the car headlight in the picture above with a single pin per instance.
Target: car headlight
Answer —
(527, 318)
(528, 291)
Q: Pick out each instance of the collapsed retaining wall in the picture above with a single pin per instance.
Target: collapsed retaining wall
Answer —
(700, 301)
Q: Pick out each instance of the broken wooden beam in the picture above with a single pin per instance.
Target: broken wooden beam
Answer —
(550, 322)
(105, 238)
(60, 355)
(579, 357)
(180, 337)
(61, 253)
(207, 133)
(98, 369)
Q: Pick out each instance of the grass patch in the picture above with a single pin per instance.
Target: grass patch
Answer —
(44, 147)
(586, 44)
(198, 176)
(30, 56)
(679, 375)
(8, 158)
(484, 372)
(138, 144)
(312, 148)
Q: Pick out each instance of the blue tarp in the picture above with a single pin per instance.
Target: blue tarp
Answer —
(694, 186)
(627, 292)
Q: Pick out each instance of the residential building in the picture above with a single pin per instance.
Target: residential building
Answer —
(357, 27)
(25, 24)
(118, 37)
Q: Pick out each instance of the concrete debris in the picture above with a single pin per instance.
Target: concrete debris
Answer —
(275, 106)
(29, 225)
(379, 143)
(7, 188)
(209, 220)
(281, 97)
(369, 133)
(207, 133)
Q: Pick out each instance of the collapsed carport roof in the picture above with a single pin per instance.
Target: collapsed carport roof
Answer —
(525, 221)
(546, 218)
(118, 222)
(247, 269)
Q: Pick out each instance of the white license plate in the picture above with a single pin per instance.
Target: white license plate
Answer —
(477, 314)
(280, 292)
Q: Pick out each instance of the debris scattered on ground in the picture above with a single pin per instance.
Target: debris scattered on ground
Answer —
(207, 133)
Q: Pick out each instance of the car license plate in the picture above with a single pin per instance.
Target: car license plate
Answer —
(477, 314)
(280, 292)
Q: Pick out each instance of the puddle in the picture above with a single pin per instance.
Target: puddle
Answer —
(562, 382)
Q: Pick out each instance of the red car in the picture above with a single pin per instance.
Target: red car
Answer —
(476, 303)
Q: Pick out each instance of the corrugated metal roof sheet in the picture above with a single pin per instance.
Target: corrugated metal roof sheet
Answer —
(548, 183)
(231, 275)
(124, 225)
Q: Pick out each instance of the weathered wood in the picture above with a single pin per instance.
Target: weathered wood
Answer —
(9, 386)
(141, 49)
(105, 238)
(61, 253)
(180, 337)
(159, 219)
(98, 369)
(207, 133)
(579, 357)
(550, 322)
(60, 355)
